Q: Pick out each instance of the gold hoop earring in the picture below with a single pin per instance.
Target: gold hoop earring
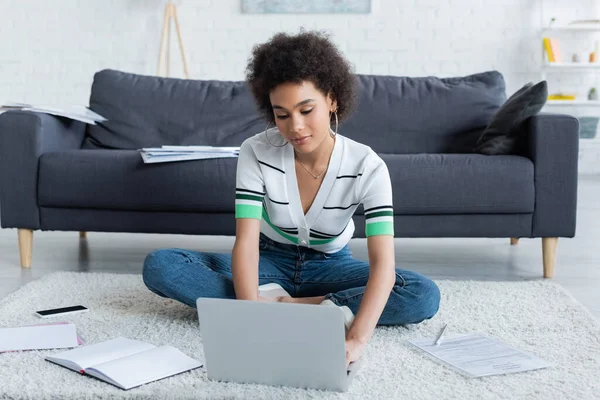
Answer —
(267, 136)
(336, 125)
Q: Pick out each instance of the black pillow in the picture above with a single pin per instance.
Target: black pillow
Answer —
(502, 132)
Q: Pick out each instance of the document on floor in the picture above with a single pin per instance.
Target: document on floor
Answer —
(39, 337)
(476, 355)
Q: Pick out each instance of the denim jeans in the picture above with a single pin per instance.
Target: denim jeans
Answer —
(186, 275)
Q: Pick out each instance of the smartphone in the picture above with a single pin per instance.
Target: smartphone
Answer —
(61, 311)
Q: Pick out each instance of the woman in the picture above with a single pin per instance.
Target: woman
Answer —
(297, 187)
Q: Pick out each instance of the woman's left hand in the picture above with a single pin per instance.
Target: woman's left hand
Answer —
(354, 350)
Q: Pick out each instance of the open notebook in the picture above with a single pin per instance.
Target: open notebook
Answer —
(126, 363)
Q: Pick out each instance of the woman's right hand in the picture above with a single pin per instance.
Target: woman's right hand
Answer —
(279, 299)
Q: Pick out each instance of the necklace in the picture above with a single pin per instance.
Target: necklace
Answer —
(319, 175)
(313, 175)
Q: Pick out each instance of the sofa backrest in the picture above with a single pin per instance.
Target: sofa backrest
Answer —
(404, 115)
(149, 111)
(393, 115)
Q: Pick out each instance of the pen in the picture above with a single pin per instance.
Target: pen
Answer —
(439, 338)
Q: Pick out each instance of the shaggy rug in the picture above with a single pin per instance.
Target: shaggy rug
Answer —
(535, 316)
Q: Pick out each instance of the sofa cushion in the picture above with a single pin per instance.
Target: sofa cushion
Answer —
(119, 180)
(404, 115)
(460, 184)
(150, 111)
(422, 183)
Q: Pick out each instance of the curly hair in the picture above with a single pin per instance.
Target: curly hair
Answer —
(307, 56)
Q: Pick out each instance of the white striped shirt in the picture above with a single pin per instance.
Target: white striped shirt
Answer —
(267, 189)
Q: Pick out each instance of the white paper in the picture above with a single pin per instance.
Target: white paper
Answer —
(149, 159)
(12, 104)
(98, 353)
(477, 355)
(212, 149)
(148, 366)
(38, 337)
(75, 112)
(185, 153)
(73, 109)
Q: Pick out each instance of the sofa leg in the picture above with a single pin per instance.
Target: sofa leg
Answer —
(549, 255)
(83, 235)
(514, 241)
(25, 246)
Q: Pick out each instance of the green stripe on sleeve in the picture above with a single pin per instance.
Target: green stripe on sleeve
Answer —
(248, 211)
(380, 214)
(248, 197)
(380, 228)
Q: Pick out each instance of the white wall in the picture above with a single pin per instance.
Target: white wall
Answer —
(50, 49)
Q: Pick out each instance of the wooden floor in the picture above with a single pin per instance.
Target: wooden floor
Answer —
(577, 263)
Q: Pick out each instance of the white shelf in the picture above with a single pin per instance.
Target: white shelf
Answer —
(577, 27)
(590, 142)
(587, 103)
(572, 65)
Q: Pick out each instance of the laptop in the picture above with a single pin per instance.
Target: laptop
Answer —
(278, 344)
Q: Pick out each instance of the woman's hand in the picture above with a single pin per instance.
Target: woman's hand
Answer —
(278, 299)
(354, 350)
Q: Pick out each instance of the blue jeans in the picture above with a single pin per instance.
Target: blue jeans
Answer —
(186, 275)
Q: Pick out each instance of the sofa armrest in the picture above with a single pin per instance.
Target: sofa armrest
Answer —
(553, 146)
(24, 137)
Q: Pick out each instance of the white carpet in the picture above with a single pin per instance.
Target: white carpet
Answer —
(536, 316)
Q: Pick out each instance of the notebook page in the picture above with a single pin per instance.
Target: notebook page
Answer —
(38, 337)
(99, 353)
(79, 338)
(145, 367)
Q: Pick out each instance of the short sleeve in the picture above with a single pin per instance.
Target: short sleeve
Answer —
(249, 186)
(377, 199)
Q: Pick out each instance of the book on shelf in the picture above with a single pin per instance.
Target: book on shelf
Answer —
(562, 96)
(126, 363)
(548, 49)
(552, 49)
(585, 22)
(555, 50)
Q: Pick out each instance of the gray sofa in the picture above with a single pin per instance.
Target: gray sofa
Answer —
(57, 174)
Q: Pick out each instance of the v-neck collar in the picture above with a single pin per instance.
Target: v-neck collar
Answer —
(323, 192)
